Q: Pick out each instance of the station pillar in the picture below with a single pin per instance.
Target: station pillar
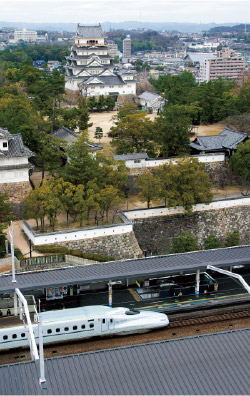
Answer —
(197, 284)
(15, 304)
(110, 294)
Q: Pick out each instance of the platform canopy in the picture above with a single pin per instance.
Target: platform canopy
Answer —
(128, 269)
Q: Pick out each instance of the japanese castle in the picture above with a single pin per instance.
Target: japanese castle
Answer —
(90, 68)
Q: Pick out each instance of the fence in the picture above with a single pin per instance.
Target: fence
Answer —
(40, 260)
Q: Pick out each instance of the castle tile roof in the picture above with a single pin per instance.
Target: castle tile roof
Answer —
(227, 139)
(89, 31)
(16, 148)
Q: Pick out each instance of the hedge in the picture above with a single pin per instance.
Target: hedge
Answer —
(64, 250)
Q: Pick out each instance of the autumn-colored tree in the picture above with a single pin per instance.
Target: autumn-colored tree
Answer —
(185, 183)
(149, 187)
(109, 196)
(80, 203)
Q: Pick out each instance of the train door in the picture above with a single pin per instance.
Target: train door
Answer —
(105, 323)
(111, 324)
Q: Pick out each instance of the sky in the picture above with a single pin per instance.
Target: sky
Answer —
(99, 11)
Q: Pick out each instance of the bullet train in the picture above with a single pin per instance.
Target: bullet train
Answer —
(82, 323)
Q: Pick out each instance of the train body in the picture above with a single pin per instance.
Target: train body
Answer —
(82, 323)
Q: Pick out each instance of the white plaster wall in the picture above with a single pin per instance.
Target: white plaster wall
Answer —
(156, 212)
(13, 161)
(75, 235)
(14, 176)
(158, 162)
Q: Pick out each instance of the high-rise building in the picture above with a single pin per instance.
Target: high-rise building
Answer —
(90, 67)
(25, 35)
(226, 65)
(127, 47)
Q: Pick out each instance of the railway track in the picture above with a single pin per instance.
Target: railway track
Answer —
(181, 325)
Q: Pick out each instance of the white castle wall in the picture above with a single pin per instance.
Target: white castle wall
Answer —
(156, 212)
(145, 163)
(75, 235)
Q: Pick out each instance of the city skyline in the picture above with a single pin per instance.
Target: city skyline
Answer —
(63, 11)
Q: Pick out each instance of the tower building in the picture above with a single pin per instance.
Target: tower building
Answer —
(90, 67)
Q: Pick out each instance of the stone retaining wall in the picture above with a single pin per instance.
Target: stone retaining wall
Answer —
(17, 192)
(123, 246)
(155, 234)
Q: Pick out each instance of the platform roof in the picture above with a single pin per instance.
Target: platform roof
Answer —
(137, 268)
(212, 364)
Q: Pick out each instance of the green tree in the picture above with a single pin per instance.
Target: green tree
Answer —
(172, 131)
(149, 187)
(83, 115)
(98, 133)
(186, 242)
(51, 154)
(101, 103)
(240, 163)
(177, 90)
(109, 103)
(92, 103)
(232, 239)
(133, 134)
(184, 183)
(212, 242)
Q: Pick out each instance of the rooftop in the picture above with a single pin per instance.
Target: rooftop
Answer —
(87, 31)
(133, 156)
(212, 364)
(118, 270)
(227, 139)
(16, 148)
(149, 96)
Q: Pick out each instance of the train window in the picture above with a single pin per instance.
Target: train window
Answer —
(49, 331)
(131, 312)
(66, 329)
(83, 326)
(103, 320)
(5, 337)
(74, 327)
(22, 335)
(14, 336)
(91, 325)
(58, 330)
(111, 320)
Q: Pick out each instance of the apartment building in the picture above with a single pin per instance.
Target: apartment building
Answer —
(28, 36)
(127, 47)
(227, 64)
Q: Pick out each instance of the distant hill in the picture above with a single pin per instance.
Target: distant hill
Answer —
(107, 26)
(232, 29)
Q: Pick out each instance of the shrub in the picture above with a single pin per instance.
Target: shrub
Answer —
(212, 242)
(232, 239)
(186, 242)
